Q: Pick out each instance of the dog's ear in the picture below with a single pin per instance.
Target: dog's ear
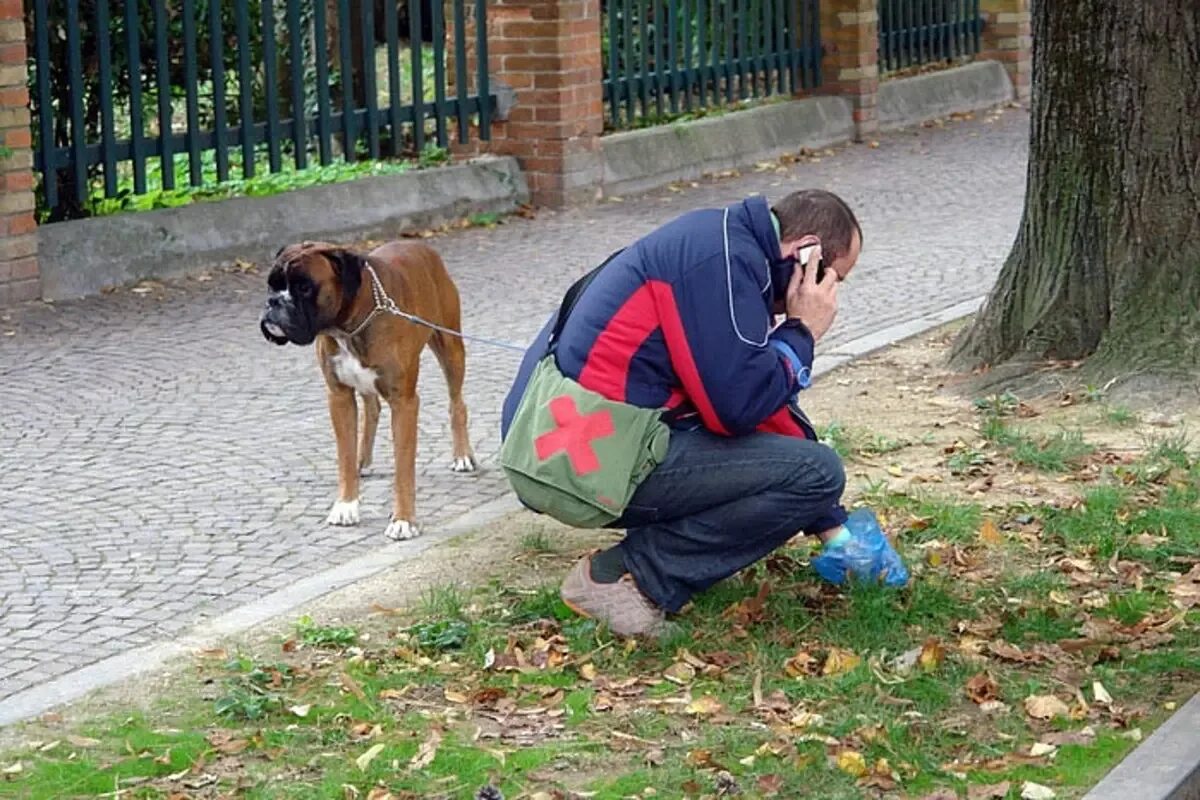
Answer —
(349, 268)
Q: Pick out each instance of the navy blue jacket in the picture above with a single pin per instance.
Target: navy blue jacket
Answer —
(682, 319)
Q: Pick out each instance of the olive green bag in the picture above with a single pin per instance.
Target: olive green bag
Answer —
(570, 452)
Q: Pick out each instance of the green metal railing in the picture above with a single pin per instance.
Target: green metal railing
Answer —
(137, 95)
(667, 57)
(915, 32)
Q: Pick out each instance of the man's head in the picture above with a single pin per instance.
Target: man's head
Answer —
(814, 216)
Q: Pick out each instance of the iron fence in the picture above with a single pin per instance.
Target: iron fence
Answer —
(137, 96)
(669, 57)
(916, 32)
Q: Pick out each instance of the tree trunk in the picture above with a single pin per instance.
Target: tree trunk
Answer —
(1106, 262)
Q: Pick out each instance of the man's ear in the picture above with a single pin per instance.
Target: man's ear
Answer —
(349, 268)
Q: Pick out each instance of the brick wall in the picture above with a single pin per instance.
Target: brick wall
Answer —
(850, 64)
(18, 232)
(1007, 38)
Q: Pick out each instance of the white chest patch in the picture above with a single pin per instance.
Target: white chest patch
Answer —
(350, 371)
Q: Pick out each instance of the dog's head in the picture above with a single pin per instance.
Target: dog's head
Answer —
(311, 287)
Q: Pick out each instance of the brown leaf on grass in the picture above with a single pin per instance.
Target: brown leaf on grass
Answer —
(982, 688)
(838, 661)
(989, 534)
(942, 794)
(224, 742)
(702, 759)
(1186, 591)
(749, 610)
(852, 763)
(1045, 706)
(704, 705)
(82, 741)
(803, 663)
(680, 672)
(932, 655)
(352, 686)
(1010, 652)
(361, 731)
(995, 791)
(769, 785)
(1059, 738)
(427, 751)
(488, 696)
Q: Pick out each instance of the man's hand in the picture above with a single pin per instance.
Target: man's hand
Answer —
(814, 304)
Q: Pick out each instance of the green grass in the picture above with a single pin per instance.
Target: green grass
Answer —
(538, 541)
(1120, 416)
(1058, 452)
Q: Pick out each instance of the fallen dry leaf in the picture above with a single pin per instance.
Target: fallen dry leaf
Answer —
(838, 661)
(1186, 590)
(769, 785)
(1045, 706)
(852, 763)
(932, 655)
(82, 741)
(1060, 738)
(751, 609)
(705, 704)
(13, 769)
(942, 794)
(428, 750)
(301, 710)
(224, 742)
(1101, 694)
(680, 672)
(995, 791)
(803, 663)
(982, 688)
(364, 760)
(588, 671)
(1035, 791)
(989, 534)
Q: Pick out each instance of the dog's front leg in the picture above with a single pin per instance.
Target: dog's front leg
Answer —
(405, 408)
(343, 413)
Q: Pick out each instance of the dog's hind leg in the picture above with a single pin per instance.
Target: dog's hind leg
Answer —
(453, 357)
(366, 437)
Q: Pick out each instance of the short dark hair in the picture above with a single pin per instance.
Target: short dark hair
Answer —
(818, 212)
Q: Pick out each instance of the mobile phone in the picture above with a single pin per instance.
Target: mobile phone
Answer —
(802, 261)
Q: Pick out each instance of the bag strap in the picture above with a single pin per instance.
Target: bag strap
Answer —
(571, 298)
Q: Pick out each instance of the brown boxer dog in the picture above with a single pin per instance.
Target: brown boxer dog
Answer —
(336, 297)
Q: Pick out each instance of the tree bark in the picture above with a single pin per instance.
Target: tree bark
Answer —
(1106, 263)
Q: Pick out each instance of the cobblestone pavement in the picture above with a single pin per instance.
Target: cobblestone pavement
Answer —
(162, 463)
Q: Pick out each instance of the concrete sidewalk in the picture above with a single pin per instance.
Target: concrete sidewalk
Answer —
(163, 464)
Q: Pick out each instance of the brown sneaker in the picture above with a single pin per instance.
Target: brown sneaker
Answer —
(620, 605)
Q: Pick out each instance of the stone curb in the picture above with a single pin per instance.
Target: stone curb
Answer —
(82, 257)
(1164, 767)
(74, 685)
(641, 160)
(973, 87)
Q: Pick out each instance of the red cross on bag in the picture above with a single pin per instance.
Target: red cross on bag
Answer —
(574, 433)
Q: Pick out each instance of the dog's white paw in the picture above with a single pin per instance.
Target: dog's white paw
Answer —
(344, 512)
(463, 464)
(402, 530)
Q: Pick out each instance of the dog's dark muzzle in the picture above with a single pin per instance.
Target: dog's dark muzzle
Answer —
(272, 331)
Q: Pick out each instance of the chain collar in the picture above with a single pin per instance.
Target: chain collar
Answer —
(383, 303)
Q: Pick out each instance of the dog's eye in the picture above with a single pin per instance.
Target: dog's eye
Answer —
(303, 288)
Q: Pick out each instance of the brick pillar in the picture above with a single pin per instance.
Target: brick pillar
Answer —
(850, 63)
(1007, 38)
(18, 231)
(548, 53)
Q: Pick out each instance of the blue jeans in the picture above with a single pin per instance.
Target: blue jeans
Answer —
(718, 504)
